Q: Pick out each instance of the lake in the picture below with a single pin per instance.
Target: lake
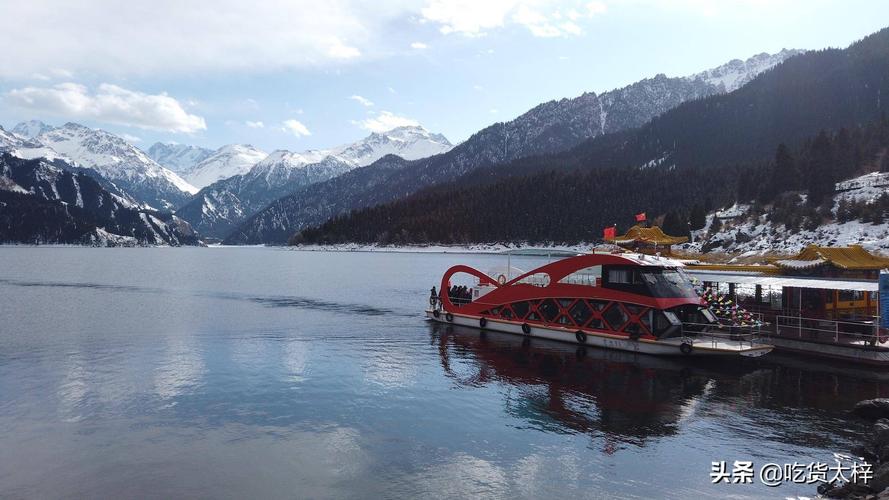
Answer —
(271, 373)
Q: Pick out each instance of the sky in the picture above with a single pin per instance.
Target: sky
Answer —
(298, 75)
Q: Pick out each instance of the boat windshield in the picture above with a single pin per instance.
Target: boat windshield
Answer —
(666, 283)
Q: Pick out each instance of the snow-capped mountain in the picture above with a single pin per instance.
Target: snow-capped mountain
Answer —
(8, 140)
(31, 129)
(28, 148)
(735, 73)
(221, 205)
(179, 158)
(43, 201)
(225, 162)
(410, 143)
(120, 162)
(548, 128)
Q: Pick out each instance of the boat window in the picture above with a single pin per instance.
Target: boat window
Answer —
(597, 323)
(495, 311)
(633, 309)
(549, 309)
(521, 309)
(598, 304)
(563, 320)
(665, 323)
(506, 313)
(580, 312)
(565, 302)
(667, 283)
(633, 327)
(622, 276)
(534, 317)
(850, 295)
(615, 316)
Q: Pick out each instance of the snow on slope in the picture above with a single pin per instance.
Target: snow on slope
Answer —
(179, 158)
(735, 73)
(31, 129)
(760, 236)
(225, 162)
(120, 162)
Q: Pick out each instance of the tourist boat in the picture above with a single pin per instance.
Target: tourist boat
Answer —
(632, 302)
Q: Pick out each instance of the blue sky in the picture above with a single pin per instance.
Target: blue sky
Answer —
(299, 75)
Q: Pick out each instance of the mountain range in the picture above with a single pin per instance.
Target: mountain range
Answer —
(704, 152)
(43, 201)
(202, 167)
(548, 128)
(217, 208)
(240, 194)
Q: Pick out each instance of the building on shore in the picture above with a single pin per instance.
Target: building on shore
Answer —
(648, 240)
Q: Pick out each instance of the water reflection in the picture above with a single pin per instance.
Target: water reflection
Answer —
(180, 369)
(562, 388)
(627, 398)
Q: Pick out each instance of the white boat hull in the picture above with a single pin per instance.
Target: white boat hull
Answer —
(668, 347)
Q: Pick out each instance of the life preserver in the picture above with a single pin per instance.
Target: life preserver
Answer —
(580, 336)
(686, 348)
(501, 279)
(449, 317)
(482, 322)
(526, 329)
(436, 313)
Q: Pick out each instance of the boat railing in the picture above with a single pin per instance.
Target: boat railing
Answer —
(864, 332)
(746, 335)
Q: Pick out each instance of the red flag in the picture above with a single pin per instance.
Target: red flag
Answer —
(608, 233)
(640, 217)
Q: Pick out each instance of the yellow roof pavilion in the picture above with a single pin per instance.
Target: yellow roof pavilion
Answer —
(648, 235)
(852, 257)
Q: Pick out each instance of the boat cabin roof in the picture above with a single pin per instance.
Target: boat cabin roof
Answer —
(757, 278)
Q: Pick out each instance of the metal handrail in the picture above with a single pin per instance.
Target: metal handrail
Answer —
(704, 331)
(827, 329)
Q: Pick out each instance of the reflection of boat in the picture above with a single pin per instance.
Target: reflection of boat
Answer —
(579, 388)
(631, 302)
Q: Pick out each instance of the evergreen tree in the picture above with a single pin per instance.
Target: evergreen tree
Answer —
(786, 175)
(821, 175)
(698, 217)
(674, 224)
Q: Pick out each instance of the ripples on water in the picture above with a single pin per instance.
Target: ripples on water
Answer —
(269, 373)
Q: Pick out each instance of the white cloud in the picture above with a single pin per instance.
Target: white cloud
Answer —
(295, 127)
(543, 18)
(386, 121)
(131, 138)
(419, 46)
(339, 50)
(116, 39)
(363, 100)
(109, 104)
(123, 39)
(256, 124)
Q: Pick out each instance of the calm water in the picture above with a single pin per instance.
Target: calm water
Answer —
(251, 373)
